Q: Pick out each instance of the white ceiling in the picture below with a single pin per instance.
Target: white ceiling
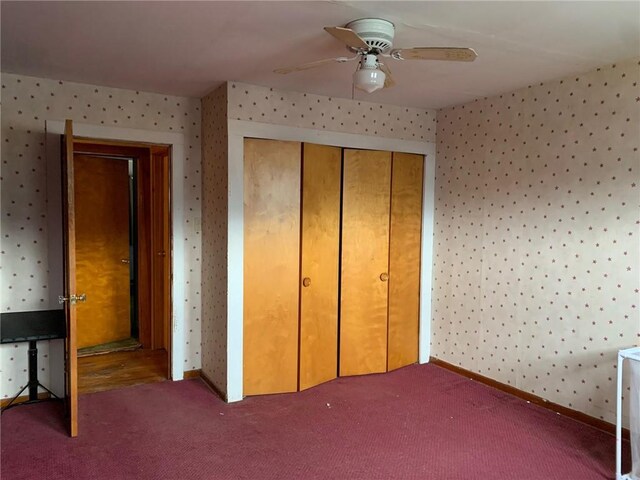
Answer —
(189, 48)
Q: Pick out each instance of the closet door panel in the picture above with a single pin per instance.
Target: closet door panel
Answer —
(271, 265)
(319, 268)
(404, 259)
(365, 261)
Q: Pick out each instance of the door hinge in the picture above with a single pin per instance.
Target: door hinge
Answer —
(73, 299)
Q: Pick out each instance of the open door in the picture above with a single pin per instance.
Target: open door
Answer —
(70, 298)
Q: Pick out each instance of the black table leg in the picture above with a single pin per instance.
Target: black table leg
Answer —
(33, 370)
(33, 383)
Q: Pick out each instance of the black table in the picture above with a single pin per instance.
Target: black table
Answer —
(30, 327)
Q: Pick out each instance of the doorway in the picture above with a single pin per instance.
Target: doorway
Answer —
(123, 224)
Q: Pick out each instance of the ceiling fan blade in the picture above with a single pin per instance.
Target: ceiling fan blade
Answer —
(306, 66)
(435, 53)
(388, 79)
(348, 36)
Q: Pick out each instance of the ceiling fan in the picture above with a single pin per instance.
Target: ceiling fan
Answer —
(371, 38)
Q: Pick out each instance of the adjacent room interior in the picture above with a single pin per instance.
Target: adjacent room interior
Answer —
(350, 240)
(122, 214)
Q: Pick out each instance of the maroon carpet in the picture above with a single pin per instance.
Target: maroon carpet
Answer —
(420, 422)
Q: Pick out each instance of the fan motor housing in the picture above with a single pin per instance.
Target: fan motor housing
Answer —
(378, 33)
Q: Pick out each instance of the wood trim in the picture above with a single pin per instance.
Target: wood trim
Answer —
(97, 148)
(24, 398)
(144, 252)
(189, 374)
(117, 143)
(212, 386)
(535, 399)
(160, 247)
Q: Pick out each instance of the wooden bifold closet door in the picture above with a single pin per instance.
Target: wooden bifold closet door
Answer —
(404, 260)
(271, 265)
(321, 172)
(331, 263)
(365, 261)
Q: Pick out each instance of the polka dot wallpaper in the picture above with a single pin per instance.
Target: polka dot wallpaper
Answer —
(305, 110)
(214, 222)
(26, 103)
(536, 256)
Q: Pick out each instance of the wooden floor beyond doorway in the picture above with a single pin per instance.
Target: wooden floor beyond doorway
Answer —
(98, 373)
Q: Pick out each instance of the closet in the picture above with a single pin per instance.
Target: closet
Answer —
(331, 263)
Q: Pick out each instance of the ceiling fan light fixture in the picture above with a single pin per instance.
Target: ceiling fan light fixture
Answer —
(369, 79)
(369, 38)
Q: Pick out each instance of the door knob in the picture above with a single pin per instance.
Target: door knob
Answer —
(306, 281)
(161, 254)
(384, 277)
(72, 299)
(125, 260)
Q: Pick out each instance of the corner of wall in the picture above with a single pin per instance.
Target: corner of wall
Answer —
(214, 240)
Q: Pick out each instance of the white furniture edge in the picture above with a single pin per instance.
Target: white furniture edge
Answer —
(627, 354)
(54, 212)
(238, 130)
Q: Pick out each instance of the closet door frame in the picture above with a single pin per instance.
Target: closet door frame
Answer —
(238, 130)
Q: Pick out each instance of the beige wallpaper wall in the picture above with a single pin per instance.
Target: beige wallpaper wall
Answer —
(536, 257)
(26, 103)
(305, 110)
(214, 240)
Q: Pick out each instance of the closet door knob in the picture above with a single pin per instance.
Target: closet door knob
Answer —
(384, 277)
(306, 281)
